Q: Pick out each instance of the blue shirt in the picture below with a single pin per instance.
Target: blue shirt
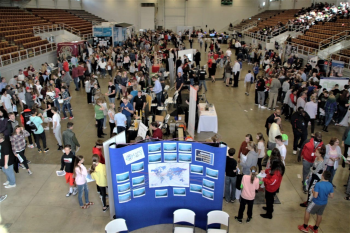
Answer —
(127, 113)
(2, 86)
(303, 77)
(324, 188)
(37, 122)
(120, 118)
(157, 87)
(180, 70)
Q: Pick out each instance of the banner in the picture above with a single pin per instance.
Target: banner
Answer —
(192, 109)
(102, 31)
(172, 175)
(337, 68)
(312, 60)
(329, 82)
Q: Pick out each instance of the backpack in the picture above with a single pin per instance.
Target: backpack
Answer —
(29, 124)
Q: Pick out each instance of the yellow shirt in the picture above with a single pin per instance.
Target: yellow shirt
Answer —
(100, 175)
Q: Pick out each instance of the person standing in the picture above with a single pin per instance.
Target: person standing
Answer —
(346, 143)
(127, 110)
(230, 178)
(311, 109)
(191, 41)
(307, 154)
(261, 149)
(75, 77)
(80, 180)
(7, 159)
(281, 147)
(235, 71)
(299, 121)
(330, 108)
(56, 122)
(251, 159)
(37, 119)
(273, 132)
(111, 113)
(315, 174)
(249, 185)
(18, 143)
(248, 80)
(202, 74)
(197, 59)
(67, 163)
(66, 104)
(69, 138)
(99, 116)
(273, 93)
(120, 120)
(272, 182)
(332, 158)
(98, 173)
(157, 89)
(322, 191)
(111, 91)
(179, 82)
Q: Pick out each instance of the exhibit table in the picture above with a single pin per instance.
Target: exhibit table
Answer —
(208, 120)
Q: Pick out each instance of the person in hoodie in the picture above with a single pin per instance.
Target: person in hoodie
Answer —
(272, 182)
(12, 123)
(29, 98)
(330, 108)
(97, 150)
(98, 173)
(67, 163)
(299, 121)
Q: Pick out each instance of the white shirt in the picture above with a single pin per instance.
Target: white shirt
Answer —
(228, 53)
(283, 151)
(7, 101)
(20, 77)
(56, 119)
(236, 68)
(261, 147)
(102, 65)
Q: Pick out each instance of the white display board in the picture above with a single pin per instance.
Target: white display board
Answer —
(188, 52)
(147, 18)
(142, 130)
(330, 82)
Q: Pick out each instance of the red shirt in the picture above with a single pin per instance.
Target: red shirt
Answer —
(81, 71)
(216, 56)
(25, 73)
(75, 73)
(98, 151)
(158, 134)
(272, 182)
(308, 151)
(65, 66)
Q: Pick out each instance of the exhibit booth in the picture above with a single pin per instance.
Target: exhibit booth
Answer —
(111, 33)
(149, 181)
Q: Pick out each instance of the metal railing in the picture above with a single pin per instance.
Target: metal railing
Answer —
(246, 26)
(345, 59)
(302, 49)
(26, 53)
(344, 35)
(61, 26)
(257, 36)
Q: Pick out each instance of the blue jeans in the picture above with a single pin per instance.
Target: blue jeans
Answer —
(328, 118)
(64, 107)
(128, 121)
(159, 99)
(10, 174)
(81, 188)
(57, 105)
(230, 188)
(202, 82)
(111, 100)
(76, 82)
(99, 127)
(117, 90)
(103, 72)
(332, 171)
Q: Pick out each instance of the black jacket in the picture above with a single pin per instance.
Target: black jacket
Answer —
(299, 122)
(197, 57)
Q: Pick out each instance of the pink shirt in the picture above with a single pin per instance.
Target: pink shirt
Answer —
(80, 175)
(248, 191)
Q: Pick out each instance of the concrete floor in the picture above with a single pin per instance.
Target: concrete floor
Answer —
(38, 203)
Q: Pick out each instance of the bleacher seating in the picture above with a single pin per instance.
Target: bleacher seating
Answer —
(86, 16)
(261, 16)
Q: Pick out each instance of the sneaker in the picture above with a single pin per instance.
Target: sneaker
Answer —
(64, 118)
(238, 220)
(3, 197)
(75, 192)
(21, 166)
(60, 148)
(68, 194)
(303, 229)
(263, 107)
(232, 201)
(47, 128)
(6, 183)
(28, 161)
(294, 152)
(311, 228)
(107, 207)
(30, 172)
(39, 150)
(269, 109)
(304, 204)
(304, 189)
(227, 201)
(266, 216)
(46, 150)
(259, 106)
(31, 146)
(249, 219)
(10, 186)
(71, 118)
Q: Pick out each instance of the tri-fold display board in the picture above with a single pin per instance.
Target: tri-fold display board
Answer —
(152, 180)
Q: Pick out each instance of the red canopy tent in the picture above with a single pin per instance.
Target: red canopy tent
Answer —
(68, 49)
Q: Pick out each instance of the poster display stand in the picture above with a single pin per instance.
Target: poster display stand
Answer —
(152, 180)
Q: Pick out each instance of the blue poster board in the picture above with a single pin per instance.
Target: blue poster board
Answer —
(102, 31)
(152, 180)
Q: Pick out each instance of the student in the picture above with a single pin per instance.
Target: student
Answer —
(98, 173)
(127, 110)
(249, 185)
(7, 159)
(332, 158)
(69, 138)
(111, 113)
(120, 120)
(251, 159)
(25, 119)
(230, 178)
(67, 163)
(18, 143)
(156, 131)
(56, 122)
(281, 147)
(322, 191)
(97, 150)
(272, 182)
(315, 174)
(111, 91)
(99, 115)
(248, 80)
(66, 104)
(261, 149)
(37, 119)
(80, 180)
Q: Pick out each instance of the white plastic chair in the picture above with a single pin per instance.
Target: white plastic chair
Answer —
(116, 225)
(218, 216)
(184, 215)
